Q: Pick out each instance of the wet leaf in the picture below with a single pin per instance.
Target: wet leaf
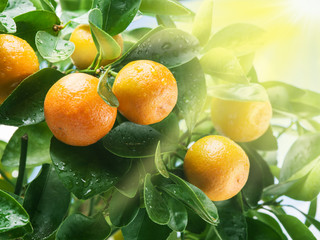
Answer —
(7, 24)
(163, 7)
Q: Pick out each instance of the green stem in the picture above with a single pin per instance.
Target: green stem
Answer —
(65, 25)
(112, 73)
(98, 63)
(22, 164)
(92, 203)
(94, 62)
(87, 71)
(4, 175)
(69, 71)
(286, 129)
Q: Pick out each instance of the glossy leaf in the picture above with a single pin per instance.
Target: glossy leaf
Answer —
(260, 230)
(295, 228)
(16, 109)
(14, 220)
(17, 7)
(268, 220)
(165, 21)
(136, 34)
(122, 210)
(39, 137)
(170, 47)
(192, 197)
(80, 227)
(7, 25)
(53, 48)
(189, 76)
(106, 45)
(3, 5)
(310, 219)
(232, 224)
(163, 7)
(276, 190)
(240, 92)
(178, 213)
(132, 140)
(105, 91)
(202, 23)
(29, 23)
(154, 203)
(222, 63)
(86, 171)
(47, 202)
(168, 127)
(288, 99)
(161, 167)
(240, 38)
(118, 14)
(143, 228)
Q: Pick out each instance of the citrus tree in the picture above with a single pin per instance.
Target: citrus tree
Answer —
(147, 133)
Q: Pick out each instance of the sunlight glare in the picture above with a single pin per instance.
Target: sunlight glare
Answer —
(306, 9)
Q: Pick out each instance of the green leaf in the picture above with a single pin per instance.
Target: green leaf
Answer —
(260, 230)
(240, 38)
(7, 24)
(202, 23)
(53, 48)
(3, 5)
(170, 47)
(189, 77)
(117, 14)
(309, 219)
(290, 100)
(232, 224)
(105, 91)
(312, 212)
(2, 147)
(178, 213)
(17, 111)
(136, 34)
(80, 227)
(296, 229)
(143, 228)
(165, 21)
(87, 171)
(276, 190)
(128, 185)
(47, 201)
(132, 140)
(18, 7)
(246, 62)
(107, 47)
(161, 167)
(192, 197)
(303, 152)
(267, 142)
(222, 63)
(39, 137)
(122, 210)
(260, 177)
(268, 220)
(28, 24)
(168, 127)
(155, 204)
(14, 220)
(240, 92)
(163, 7)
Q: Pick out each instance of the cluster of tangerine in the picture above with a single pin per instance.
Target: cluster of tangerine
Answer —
(147, 92)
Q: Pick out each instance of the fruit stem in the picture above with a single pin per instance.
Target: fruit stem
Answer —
(112, 73)
(94, 62)
(22, 164)
(98, 63)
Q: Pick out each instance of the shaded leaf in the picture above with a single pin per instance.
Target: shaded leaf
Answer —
(47, 202)
(17, 111)
(87, 171)
(163, 7)
(80, 227)
(260, 230)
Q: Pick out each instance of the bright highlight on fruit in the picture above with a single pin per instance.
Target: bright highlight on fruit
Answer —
(74, 111)
(147, 91)
(218, 166)
(85, 49)
(17, 61)
(242, 121)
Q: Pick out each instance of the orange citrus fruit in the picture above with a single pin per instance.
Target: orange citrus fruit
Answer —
(17, 61)
(85, 50)
(242, 121)
(147, 91)
(218, 166)
(74, 111)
